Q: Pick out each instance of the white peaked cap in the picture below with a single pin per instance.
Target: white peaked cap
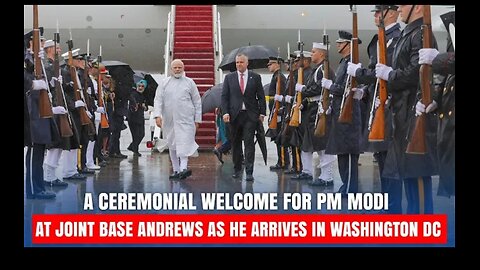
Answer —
(74, 53)
(49, 43)
(305, 54)
(321, 46)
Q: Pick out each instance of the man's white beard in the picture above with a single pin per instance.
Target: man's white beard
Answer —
(178, 75)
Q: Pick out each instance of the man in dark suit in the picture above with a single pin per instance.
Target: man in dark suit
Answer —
(243, 105)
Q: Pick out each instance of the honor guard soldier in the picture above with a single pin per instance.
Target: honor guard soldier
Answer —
(344, 140)
(385, 16)
(403, 83)
(37, 133)
(443, 64)
(274, 65)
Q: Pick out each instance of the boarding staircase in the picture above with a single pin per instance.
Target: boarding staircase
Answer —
(193, 38)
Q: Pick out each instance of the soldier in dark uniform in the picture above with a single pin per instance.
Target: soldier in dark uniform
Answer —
(274, 66)
(69, 155)
(443, 64)
(54, 150)
(297, 138)
(311, 95)
(37, 133)
(403, 84)
(367, 76)
(292, 151)
(344, 140)
(136, 118)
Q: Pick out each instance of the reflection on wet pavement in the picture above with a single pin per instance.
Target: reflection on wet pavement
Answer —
(150, 173)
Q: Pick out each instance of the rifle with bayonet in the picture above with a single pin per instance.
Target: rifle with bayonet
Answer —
(86, 96)
(44, 102)
(273, 123)
(286, 128)
(417, 144)
(376, 124)
(346, 107)
(64, 120)
(296, 114)
(321, 123)
(103, 116)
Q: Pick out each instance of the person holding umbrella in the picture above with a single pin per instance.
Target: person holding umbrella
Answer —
(243, 105)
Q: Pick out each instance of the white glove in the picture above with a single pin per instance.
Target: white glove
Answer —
(288, 99)
(100, 110)
(326, 83)
(59, 110)
(329, 110)
(89, 90)
(357, 93)
(278, 98)
(59, 79)
(420, 107)
(377, 103)
(299, 87)
(89, 114)
(39, 85)
(41, 53)
(320, 108)
(426, 56)
(79, 104)
(352, 68)
(382, 71)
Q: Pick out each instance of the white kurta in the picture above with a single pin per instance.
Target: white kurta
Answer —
(179, 104)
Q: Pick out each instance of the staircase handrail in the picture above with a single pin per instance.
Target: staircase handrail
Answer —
(169, 43)
(217, 38)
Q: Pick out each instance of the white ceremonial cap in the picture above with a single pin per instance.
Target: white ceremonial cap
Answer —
(321, 46)
(74, 53)
(306, 54)
(49, 43)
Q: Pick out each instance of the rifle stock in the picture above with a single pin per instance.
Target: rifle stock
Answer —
(103, 116)
(295, 119)
(417, 144)
(84, 119)
(273, 121)
(44, 103)
(65, 127)
(321, 125)
(346, 114)
(377, 131)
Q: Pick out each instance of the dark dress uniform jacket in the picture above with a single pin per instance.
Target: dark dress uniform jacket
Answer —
(403, 84)
(444, 64)
(343, 138)
(254, 96)
(136, 111)
(41, 130)
(367, 76)
(313, 88)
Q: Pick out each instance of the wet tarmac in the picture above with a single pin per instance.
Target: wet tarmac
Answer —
(150, 173)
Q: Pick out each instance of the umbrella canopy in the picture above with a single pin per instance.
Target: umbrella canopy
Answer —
(151, 89)
(138, 75)
(257, 57)
(212, 98)
(122, 73)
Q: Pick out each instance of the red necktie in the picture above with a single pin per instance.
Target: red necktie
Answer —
(242, 83)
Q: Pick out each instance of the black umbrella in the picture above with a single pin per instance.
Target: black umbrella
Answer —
(257, 57)
(122, 74)
(212, 98)
(138, 75)
(151, 89)
(260, 135)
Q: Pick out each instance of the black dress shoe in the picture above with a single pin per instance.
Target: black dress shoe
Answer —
(249, 177)
(137, 154)
(55, 183)
(185, 173)
(302, 176)
(276, 167)
(291, 171)
(237, 174)
(218, 154)
(42, 195)
(77, 176)
(87, 171)
(174, 175)
(320, 182)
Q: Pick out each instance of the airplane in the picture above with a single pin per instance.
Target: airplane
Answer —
(137, 34)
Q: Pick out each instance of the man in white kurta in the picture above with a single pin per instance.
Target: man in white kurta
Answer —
(178, 111)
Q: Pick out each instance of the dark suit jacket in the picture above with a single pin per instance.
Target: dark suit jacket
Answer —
(254, 96)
